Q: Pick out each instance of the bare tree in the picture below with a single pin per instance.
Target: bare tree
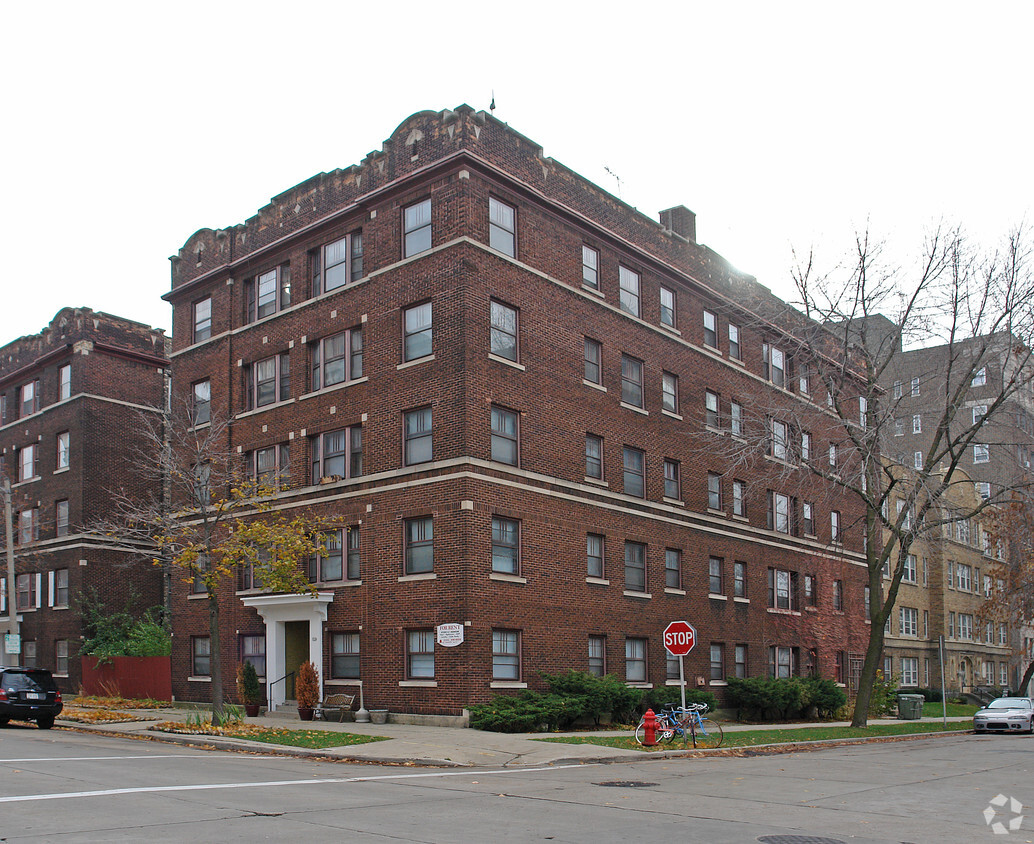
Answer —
(848, 335)
(210, 521)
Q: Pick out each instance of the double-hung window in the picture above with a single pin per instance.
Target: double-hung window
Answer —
(715, 585)
(326, 566)
(672, 483)
(835, 534)
(981, 453)
(417, 436)
(344, 656)
(628, 281)
(268, 293)
(64, 382)
(28, 525)
(782, 589)
(778, 440)
(667, 307)
(337, 454)
(597, 655)
(594, 555)
(594, 457)
(635, 660)
(253, 650)
(672, 568)
(778, 512)
(634, 461)
(711, 419)
(27, 456)
(64, 450)
(337, 263)
(670, 392)
(416, 228)
(909, 620)
(29, 395)
(635, 566)
(200, 656)
(416, 332)
(420, 654)
(269, 466)
(631, 381)
(419, 545)
(593, 354)
(710, 329)
(268, 381)
(980, 377)
(735, 418)
(506, 541)
(773, 364)
(505, 436)
(714, 491)
(506, 655)
(735, 351)
(201, 402)
(502, 227)
(202, 319)
(590, 267)
(503, 334)
(61, 518)
(739, 498)
(336, 359)
(808, 518)
(739, 580)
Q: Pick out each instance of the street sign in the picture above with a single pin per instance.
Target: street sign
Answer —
(680, 638)
(12, 643)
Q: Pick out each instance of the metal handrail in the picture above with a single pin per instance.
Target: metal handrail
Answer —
(269, 690)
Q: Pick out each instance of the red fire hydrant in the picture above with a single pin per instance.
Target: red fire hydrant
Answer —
(649, 728)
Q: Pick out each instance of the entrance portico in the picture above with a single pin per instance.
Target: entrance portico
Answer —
(277, 612)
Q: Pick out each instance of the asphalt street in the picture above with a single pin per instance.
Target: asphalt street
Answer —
(64, 786)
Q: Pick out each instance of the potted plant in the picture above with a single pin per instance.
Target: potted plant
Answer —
(249, 692)
(307, 690)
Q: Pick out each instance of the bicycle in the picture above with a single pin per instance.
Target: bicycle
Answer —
(688, 723)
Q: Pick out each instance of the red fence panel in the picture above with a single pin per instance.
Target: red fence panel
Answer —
(129, 676)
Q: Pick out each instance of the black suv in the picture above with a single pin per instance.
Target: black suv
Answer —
(29, 694)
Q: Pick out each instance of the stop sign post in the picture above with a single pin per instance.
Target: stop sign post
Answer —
(680, 637)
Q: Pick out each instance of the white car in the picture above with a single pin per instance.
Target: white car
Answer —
(1009, 714)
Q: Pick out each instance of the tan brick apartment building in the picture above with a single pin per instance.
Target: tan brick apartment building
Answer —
(945, 583)
(70, 399)
(499, 381)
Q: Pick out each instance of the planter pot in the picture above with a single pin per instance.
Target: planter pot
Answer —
(379, 716)
(252, 709)
(305, 714)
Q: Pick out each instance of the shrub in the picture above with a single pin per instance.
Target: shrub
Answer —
(665, 696)
(248, 689)
(594, 696)
(785, 698)
(307, 686)
(825, 695)
(526, 713)
(884, 699)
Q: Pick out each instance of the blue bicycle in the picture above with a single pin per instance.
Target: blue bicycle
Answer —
(688, 723)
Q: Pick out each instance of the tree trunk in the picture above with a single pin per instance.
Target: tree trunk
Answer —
(865, 682)
(1022, 690)
(215, 659)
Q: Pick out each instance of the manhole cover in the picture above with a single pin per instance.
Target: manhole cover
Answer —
(797, 839)
(627, 784)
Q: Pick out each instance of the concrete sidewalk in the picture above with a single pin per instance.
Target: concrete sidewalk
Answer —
(409, 744)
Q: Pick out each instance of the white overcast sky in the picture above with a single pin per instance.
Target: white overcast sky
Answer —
(128, 126)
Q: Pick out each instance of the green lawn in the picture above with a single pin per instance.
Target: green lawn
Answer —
(933, 710)
(749, 738)
(314, 739)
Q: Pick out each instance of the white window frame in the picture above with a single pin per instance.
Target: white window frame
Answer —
(629, 287)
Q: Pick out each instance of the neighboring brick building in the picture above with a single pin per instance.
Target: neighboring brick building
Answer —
(70, 399)
(942, 590)
(500, 382)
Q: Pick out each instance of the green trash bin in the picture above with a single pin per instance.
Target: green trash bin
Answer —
(910, 707)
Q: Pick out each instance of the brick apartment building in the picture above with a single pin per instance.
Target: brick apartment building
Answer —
(505, 387)
(70, 399)
(946, 579)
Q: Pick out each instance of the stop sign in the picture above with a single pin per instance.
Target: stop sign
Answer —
(679, 638)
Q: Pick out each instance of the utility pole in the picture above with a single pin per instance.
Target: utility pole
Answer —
(12, 606)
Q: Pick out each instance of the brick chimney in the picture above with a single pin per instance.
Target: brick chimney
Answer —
(680, 220)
